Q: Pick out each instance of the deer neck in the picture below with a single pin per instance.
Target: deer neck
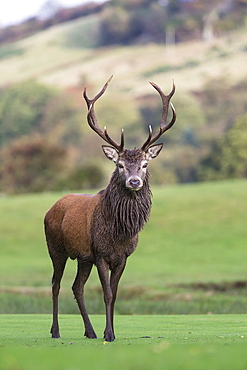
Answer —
(125, 210)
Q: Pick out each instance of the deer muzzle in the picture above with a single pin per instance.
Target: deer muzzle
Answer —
(134, 183)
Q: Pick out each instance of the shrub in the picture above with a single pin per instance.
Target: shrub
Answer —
(21, 108)
(89, 176)
(31, 165)
(228, 159)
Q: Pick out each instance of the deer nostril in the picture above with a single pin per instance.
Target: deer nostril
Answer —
(134, 183)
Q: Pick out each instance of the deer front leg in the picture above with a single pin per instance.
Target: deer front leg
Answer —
(114, 280)
(103, 271)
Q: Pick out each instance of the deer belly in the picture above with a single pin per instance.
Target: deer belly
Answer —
(76, 239)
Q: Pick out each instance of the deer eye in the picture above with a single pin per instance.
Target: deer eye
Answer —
(144, 165)
(120, 165)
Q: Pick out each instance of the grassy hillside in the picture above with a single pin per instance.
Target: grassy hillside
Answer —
(190, 254)
(61, 56)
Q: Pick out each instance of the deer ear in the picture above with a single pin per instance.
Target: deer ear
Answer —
(153, 151)
(110, 153)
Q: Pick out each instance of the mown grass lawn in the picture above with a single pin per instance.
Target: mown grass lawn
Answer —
(143, 342)
(191, 256)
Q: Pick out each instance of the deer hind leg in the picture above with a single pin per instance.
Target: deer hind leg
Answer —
(58, 266)
(83, 272)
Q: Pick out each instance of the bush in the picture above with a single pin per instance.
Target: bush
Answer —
(228, 159)
(114, 26)
(89, 176)
(30, 107)
(21, 109)
(31, 165)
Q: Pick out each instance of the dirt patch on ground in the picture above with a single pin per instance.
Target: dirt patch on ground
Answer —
(217, 287)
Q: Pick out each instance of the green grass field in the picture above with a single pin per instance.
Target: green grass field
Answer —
(191, 256)
(143, 342)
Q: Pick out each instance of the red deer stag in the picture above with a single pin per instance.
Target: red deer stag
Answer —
(103, 229)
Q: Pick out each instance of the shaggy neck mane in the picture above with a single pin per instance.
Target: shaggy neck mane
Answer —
(126, 211)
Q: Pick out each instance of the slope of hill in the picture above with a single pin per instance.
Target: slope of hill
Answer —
(64, 56)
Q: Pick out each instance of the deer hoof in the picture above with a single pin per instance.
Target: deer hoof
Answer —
(109, 337)
(55, 331)
(56, 335)
(91, 335)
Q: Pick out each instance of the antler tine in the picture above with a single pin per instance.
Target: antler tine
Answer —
(93, 122)
(114, 143)
(92, 101)
(163, 126)
(150, 134)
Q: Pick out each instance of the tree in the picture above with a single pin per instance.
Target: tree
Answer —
(234, 150)
(228, 159)
(30, 107)
(114, 26)
(88, 176)
(31, 165)
(21, 108)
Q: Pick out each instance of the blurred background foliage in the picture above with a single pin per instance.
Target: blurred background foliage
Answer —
(42, 133)
(136, 21)
(45, 143)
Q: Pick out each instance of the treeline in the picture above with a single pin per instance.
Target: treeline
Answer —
(41, 141)
(142, 21)
(168, 21)
(46, 144)
(52, 16)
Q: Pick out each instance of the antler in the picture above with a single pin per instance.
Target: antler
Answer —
(163, 126)
(93, 123)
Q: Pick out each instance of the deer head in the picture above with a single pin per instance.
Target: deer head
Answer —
(132, 164)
